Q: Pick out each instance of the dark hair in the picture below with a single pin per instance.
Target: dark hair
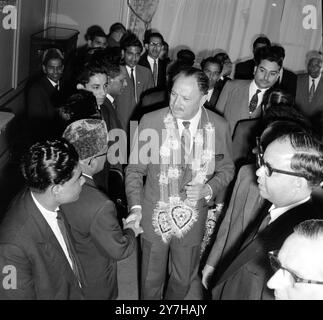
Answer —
(52, 53)
(151, 35)
(311, 229)
(280, 51)
(186, 56)
(129, 39)
(94, 31)
(80, 105)
(118, 26)
(49, 163)
(308, 156)
(211, 60)
(89, 70)
(277, 97)
(199, 75)
(222, 57)
(267, 53)
(261, 40)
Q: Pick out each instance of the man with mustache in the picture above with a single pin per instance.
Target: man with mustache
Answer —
(241, 99)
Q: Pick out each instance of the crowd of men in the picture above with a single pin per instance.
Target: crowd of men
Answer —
(221, 179)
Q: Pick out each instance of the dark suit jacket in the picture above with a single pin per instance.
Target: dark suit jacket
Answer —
(211, 104)
(245, 276)
(147, 195)
(161, 75)
(126, 103)
(42, 100)
(288, 82)
(28, 243)
(233, 103)
(316, 106)
(244, 70)
(99, 240)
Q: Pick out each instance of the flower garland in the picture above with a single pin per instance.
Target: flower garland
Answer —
(173, 216)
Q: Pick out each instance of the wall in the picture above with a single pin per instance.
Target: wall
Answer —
(80, 14)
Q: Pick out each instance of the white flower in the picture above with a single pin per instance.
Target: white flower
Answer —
(173, 144)
(207, 155)
(209, 127)
(163, 179)
(198, 138)
(164, 151)
(173, 173)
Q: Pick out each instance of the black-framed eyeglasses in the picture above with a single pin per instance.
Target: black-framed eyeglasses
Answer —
(97, 156)
(276, 265)
(268, 168)
(155, 44)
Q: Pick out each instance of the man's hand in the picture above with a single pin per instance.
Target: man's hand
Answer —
(135, 215)
(131, 225)
(195, 192)
(206, 274)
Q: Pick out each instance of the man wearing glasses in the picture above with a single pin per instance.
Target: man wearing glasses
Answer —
(298, 265)
(150, 59)
(288, 170)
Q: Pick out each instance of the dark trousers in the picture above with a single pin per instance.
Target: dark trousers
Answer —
(182, 262)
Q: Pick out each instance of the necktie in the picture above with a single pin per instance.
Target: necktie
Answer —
(69, 246)
(312, 91)
(254, 102)
(133, 84)
(155, 72)
(185, 142)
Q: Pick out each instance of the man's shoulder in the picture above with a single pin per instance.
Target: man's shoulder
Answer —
(302, 77)
(157, 114)
(142, 69)
(216, 118)
(238, 84)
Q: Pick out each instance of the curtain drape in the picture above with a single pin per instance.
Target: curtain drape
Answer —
(206, 26)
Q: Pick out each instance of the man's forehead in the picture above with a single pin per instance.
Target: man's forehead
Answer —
(279, 150)
(211, 66)
(54, 62)
(269, 65)
(315, 61)
(133, 49)
(156, 40)
(185, 82)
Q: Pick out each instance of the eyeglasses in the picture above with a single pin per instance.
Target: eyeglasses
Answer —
(155, 44)
(97, 156)
(268, 168)
(276, 265)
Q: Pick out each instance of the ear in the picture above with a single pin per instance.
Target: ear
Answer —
(80, 86)
(109, 80)
(122, 53)
(254, 70)
(89, 43)
(146, 46)
(56, 189)
(44, 68)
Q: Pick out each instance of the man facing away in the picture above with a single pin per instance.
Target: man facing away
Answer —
(172, 204)
(99, 240)
(34, 237)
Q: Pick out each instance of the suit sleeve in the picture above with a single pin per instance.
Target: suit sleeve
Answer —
(17, 283)
(224, 169)
(136, 169)
(35, 102)
(222, 102)
(108, 236)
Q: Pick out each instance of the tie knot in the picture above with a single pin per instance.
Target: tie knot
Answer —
(258, 91)
(59, 215)
(186, 124)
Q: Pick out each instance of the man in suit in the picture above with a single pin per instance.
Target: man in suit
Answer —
(172, 204)
(35, 240)
(212, 68)
(287, 79)
(241, 99)
(309, 95)
(138, 78)
(43, 97)
(288, 171)
(99, 240)
(245, 70)
(150, 59)
(298, 265)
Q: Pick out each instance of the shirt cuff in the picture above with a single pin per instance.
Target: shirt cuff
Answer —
(209, 197)
(137, 206)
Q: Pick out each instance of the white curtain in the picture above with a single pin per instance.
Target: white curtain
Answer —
(206, 26)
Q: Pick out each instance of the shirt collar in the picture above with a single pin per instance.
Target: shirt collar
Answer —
(317, 80)
(46, 213)
(110, 97)
(276, 212)
(151, 60)
(54, 84)
(254, 87)
(193, 122)
(129, 69)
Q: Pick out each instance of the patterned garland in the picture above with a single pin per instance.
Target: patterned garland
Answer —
(173, 216)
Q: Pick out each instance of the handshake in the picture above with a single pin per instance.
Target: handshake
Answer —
(133, 221)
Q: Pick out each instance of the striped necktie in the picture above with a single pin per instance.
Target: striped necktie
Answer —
(155, 72)
(185, 142)
(312, 91)
(254, 102)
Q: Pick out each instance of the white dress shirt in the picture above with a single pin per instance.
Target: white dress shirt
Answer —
(151, 63)
(51, 219)
(54, 84)
(253, 89)
(316, 81)
(276, 212)
(209, 94)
